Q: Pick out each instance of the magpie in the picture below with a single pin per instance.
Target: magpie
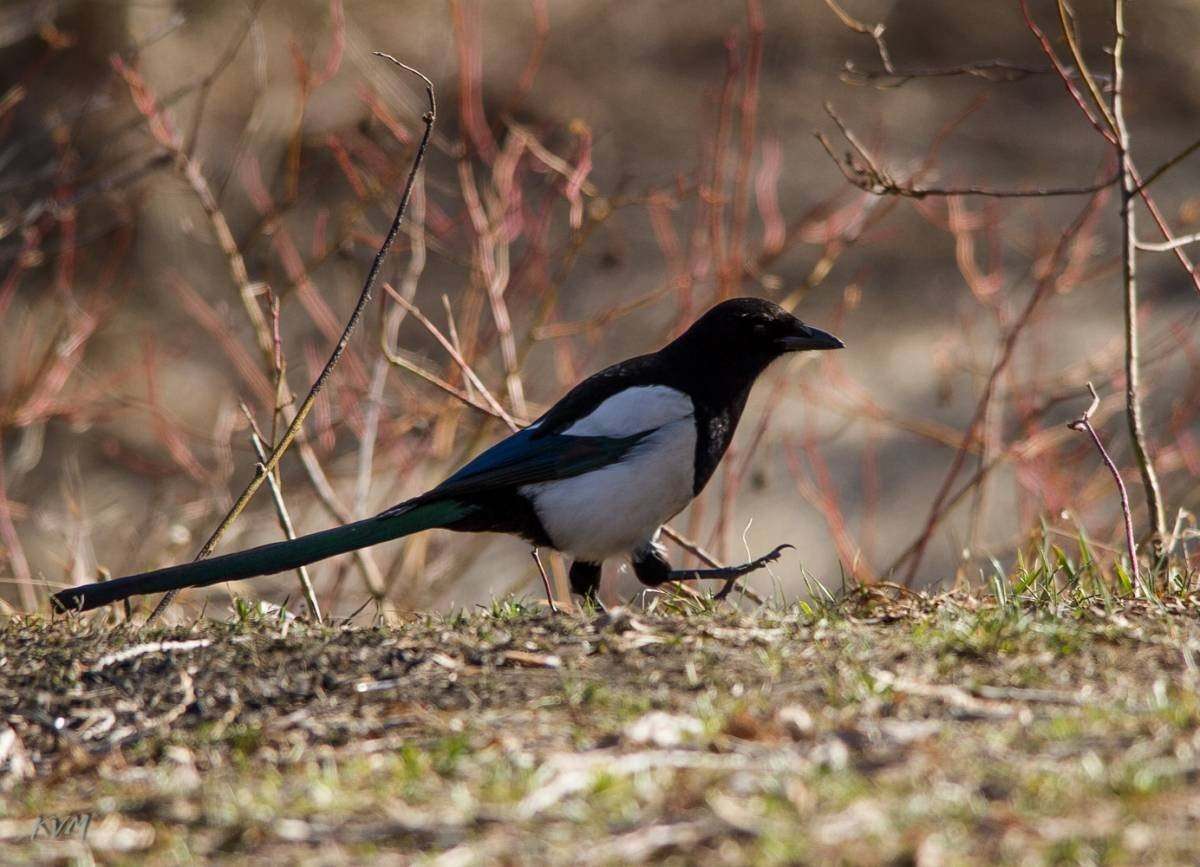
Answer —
(595, 477)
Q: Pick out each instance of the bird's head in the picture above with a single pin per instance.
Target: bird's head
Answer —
(752, 330)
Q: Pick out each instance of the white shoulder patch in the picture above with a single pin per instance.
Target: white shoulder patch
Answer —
(642, 408)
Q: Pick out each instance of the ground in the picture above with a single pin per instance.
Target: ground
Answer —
(885, 727)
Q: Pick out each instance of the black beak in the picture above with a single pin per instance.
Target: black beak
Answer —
(807, 338)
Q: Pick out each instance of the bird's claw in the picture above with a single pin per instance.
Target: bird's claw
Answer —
(773, 555)
(752, 566)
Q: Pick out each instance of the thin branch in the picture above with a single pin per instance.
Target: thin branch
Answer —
(1068, 31)
(206, 86)
(995, 71)
(1067, 79)
(1063, 73)
(1163, 229)
(1167, 246)
(436, 381)
(339, 512)
(493, 255)
(494, 405)
(1084, 423)
(366, 449)
(989, 70)
(866, 174)
(559, 330)
(875, 32)
(163, 132)
(537, 558)
(265, 468)
(1044, 287)
(1168, 165)
(281, 512)
(1133, 397)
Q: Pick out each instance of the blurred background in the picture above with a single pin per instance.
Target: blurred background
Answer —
(191, 194)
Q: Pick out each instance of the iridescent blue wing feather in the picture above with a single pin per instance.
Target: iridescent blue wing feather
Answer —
(524, 459)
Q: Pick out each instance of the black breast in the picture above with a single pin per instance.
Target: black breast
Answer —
(718, 394)
(715, 426)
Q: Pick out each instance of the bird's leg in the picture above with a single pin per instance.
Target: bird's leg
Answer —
(537, 558)
(652, 569)
(585, 581)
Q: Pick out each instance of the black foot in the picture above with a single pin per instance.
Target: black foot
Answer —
(730, 573)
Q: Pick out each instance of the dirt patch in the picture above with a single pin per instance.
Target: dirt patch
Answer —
(883, 729)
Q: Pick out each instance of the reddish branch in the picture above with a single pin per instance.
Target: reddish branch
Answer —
(1044, 287)
(1084, 423)
(266, 467)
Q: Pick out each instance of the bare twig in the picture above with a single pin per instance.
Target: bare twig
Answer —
(366, 449)
(1050, 278)
(1165, 230)
(1068, 31)
(874, 31)
(494, 407)
(163, 132)
(990, 70)
(1068, 80)
(285, 519)
(1129, 186)
(1064, 74)
(866, 174)
(268, 342)
(734, 267)
(450, 389)
(1168, 246)
(1084, 423)
(493, 255)
(537, 558)
(820, 493)
(340, 512)
(1017, 451)
(206, 86)
(996, 71)
(559, 330)
(1168, 165)
(266, 467)
(548, 158)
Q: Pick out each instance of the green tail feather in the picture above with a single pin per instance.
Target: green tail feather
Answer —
(265, 559)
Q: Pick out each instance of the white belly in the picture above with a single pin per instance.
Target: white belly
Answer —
(618, 509)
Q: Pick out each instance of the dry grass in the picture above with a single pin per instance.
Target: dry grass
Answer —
(1054, 723)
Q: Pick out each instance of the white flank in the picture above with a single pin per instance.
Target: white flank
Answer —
(619, 508)
(634, 410)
